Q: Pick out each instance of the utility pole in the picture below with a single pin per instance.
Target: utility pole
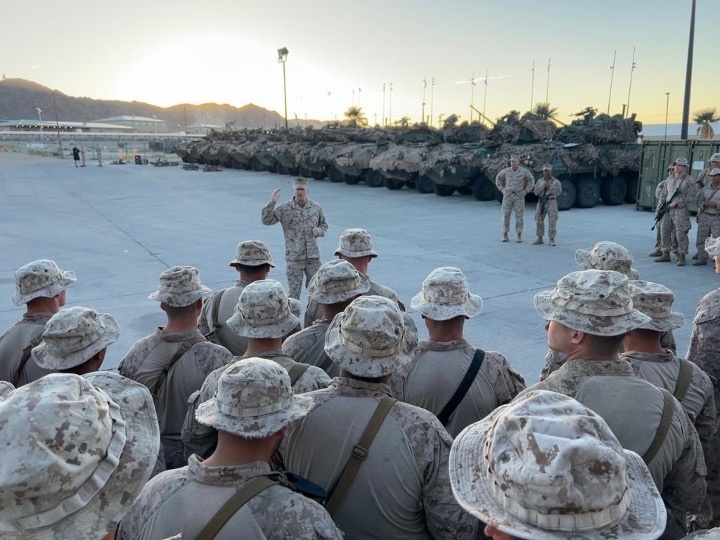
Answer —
(612, 76)
(688, 77)
(57, 125)
(383, 111)
(422, 116)
(532, 86)
(390, 106)
(472, 94)
(667, 107)
(432, 96)
(632, 69)
(487, 72)
(547, 88)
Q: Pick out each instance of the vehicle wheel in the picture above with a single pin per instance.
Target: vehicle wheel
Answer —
(334, 175)
(613, 191)
(632, 187)
(257, 165)
(444, 191)
(281, 169)
(483, 189)
(424, 184)
(410, 183)
(588, 192)
(293, 171)
(374, 179)
(351, 180)
(393, 184)
(318, 175)
(567, 198)
(464, 190)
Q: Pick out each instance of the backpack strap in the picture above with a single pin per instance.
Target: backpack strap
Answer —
(358, 455)
(297, 371)
(27, 352)
(215, 315)
(465, 384)
(684, 379)
(663, 427)
(235, 503)
(184, 347)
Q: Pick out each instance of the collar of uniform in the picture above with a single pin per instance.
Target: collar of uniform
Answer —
(354, 387)
(241, 283)
(308, 203)
(276, 356)
(443, 346)
(594, 367)
(182, 336)
(224, 475)
(37, 318)
(657, 358)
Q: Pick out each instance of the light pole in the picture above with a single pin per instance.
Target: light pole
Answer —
(390, 106)
(632, 70)
(667, 107)
(422, 117)
(39, 111)
(612, 76)
(688, 77)
(432, 98)
(282, 58)
(383, 111)
(532, 86)
(472, 94)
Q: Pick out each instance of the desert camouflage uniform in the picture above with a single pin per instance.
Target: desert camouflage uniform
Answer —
(12, 344)
(632, 408)
(708, 534)
(145, 363)
(708, 219)
(431, 378)
(301, 248)
(222, 334)
(313, 312)
(184, 501)
(663, 370)
(551, 207)
(676, 222)
(514, 186)
(402, 490)
(704, 347)
(200, 439)
(658, 236)
(308, 346)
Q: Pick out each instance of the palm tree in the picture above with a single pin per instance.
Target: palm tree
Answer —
(544, 111)
(705, 118)
(451, 121)
(356, 116)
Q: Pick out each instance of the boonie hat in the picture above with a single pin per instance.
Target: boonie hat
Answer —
(42, 278)
(180, 286)
(681, 161)
(596, 302)
(655, 301)
(73, 336)
(337, 281)
(77, 451)
(252, 253)
(254, 399)
(263, 311)
(369, 338)
(607, 256)
(546, 467)
(300, 182)
(715, 172)
(712, 246)
(715, 157)
(669, 167)
(514, 157)
(355, 243)
(5, 389)
(445, 295)
(547, 167)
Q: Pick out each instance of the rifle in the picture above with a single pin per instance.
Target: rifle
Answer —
(663, 208)
(543, 200)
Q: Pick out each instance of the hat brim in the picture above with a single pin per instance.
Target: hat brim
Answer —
(442, 312)
(247, 329)
(5, 389)
(46, 359)
(182, 299)
(253, 427)
(356, 254)
(358, 364)
(590, 324)
(337, 297)
(645, 518)
(253, 263)
(67, 278)
(581, 257)
(674, 321)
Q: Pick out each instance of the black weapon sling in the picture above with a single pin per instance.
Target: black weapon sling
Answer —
(459, 394)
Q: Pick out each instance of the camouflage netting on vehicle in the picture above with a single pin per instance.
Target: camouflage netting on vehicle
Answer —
(408, 159)
(615, 160)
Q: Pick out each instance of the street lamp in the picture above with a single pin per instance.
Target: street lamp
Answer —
(39, 111)
(667, 106)
(282, 58)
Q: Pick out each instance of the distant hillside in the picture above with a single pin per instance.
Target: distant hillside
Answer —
(19, 99)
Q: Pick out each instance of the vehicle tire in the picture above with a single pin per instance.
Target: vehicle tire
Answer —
(443, 190)
(281, 169)
(257, 165)
(613, 191)
(351, 180)
(588, 192)
(567, 198)
(632, 187)
(498, 195)
(464, 190)
(318, 175)
(424, 184)
(483, 189)
(374, 179)
(293, 171)
(410, 182)
(334, 175)
(394, 184)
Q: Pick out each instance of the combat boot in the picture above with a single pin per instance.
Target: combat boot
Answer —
(519, 240)
(665, 257)
(505, 237)
(656, 253)
(695, 257)
(552, 241)
(700, 262)
(680, 259)
(538, 241)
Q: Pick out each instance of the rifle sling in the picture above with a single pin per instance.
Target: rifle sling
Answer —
(27, 352)
(184, 347)
(663, 427)
(684, 379)
(297, 371)
(465, 384)
(216, 310)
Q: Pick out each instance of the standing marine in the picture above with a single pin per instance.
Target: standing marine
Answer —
(548, 189)
(515, 182)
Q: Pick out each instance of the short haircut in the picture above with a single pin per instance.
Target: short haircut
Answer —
(605, 345)
(177, 311)
(255, 269)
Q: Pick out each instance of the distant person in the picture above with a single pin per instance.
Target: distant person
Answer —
(514, 182)
(82, 156)
(548, 189)
(99, 155)
(670, 171)
(708, 216)
(677, 192)
(302, 222)
(76, 155)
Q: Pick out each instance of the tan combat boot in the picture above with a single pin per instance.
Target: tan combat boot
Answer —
(656, 253)
(552, 241)
(665, 257)
(680, 259)
(505, 237)
(519, 240)
(538, 241)
(695, 257)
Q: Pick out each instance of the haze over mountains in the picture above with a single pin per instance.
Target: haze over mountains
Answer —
(20, 98)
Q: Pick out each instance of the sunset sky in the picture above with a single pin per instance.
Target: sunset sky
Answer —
(342, 52)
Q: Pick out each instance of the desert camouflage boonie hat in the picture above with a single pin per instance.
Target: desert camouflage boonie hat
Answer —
(712, 246)
(715, 157)
(252, 253)
(596, 302)
(337, 281)
(547, 167)
(655, 301)
(42, 278)
(681, 161)
(369, 338)
(547, 467)
(355, 243)
(180, 286)
(73, 336)
(445, 295)
(263, 311)
(607, 256)
(5, 389)
(514, 157)
(254, 399)
(300, 182)
(77, 451)
(714, 172)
